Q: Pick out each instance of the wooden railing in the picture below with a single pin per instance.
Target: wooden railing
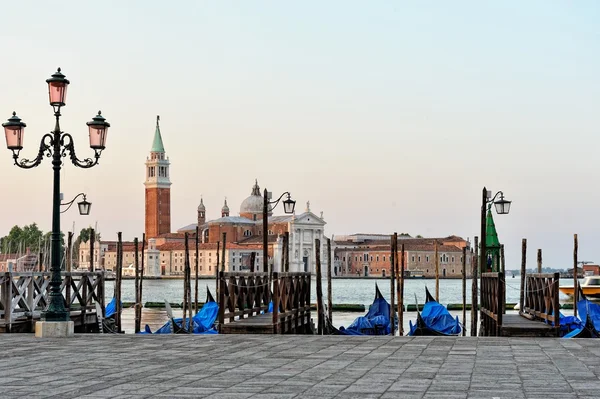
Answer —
(25, 295)
(242, 295)
(291, 303)
(492, 299)
(541, 298)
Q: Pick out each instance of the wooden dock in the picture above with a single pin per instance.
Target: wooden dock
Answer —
(24, 296)
(244, 300)
(537, 316)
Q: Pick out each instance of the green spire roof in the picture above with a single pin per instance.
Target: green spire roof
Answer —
(157, 144)
(491, 235)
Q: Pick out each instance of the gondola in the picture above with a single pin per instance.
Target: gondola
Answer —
(591, 313)
(202, 323)
(434, 320)
(375, 322)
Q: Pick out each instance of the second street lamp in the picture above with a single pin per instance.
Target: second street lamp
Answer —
(502, 208)
(56, 144)
(288, 207)
(84, 206)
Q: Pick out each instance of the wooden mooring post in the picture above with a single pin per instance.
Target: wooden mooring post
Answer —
(329, 291)
(437, 273)
(118, 278)
(286, 249)
(464, 290)
(575, 281)
(137, 321)
(217, 269)
(474, 292)
(196, 266)
(523, 274)
(392, 281)
(141, 302)
(503, 270)
(188, 286)
(223, 247)
(92, 250)
(400, 290)
(539, 260)
(252, 261)
(319, 288)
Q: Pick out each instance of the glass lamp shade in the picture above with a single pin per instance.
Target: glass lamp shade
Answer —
(57, 89)
(98, 128)
(14, 130)
(84, 207)
(289, 205)
(502, 206)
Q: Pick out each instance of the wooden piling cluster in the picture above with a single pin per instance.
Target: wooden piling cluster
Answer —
(575, 281)
(464, 290)
(393, 264)
(137, 320)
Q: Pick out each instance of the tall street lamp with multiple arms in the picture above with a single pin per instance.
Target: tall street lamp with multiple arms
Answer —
(56, 145)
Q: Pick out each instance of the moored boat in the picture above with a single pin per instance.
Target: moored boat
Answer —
(202, 323)
(590, 286)
(434, 320)
(375, 322)
(590, 312)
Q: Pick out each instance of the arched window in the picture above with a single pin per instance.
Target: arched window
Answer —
(247, 233)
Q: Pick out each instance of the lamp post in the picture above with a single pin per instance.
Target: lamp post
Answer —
(84, 206)
(502, 208)
(288, 207)
(56, 144)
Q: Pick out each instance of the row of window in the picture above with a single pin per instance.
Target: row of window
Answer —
(443, 258)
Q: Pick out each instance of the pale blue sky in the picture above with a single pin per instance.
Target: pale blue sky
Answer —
(385, 115)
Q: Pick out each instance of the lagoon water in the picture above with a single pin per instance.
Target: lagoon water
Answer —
(353, 291)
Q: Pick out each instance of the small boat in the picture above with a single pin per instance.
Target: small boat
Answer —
(590, 286)
(202, 323)
(375, 322)
(434, 320)
(591, 313)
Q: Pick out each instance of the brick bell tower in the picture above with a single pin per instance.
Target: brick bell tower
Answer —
(158, 189)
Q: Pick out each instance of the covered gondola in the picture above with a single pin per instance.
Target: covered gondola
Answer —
(202, 323)
(375, 322)
(590, 312)
(434, 320)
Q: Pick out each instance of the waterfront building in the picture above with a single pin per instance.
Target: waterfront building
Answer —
(363, 255)
(247, 229)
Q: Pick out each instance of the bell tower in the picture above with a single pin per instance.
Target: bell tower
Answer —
(158, 188)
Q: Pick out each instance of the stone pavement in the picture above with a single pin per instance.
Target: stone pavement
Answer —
(243, 366)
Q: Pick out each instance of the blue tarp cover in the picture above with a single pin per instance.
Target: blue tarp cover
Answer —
(437, 318)
(583, 307)
(376, 321)
(111, 308)
(202, 323)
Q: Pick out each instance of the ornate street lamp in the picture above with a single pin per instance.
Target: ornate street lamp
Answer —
(288, 207)
(502, 208)
(56, 144)
(84, 206)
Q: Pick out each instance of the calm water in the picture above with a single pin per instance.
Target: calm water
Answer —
(354, 291)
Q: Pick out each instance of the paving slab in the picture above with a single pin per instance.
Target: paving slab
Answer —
(252, 366)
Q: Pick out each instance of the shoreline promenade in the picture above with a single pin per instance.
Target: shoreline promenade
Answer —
(243, 366)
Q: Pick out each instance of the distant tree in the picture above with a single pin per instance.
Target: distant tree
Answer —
(419, 236)
(30, 236)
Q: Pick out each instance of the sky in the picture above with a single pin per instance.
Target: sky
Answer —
(388, 116)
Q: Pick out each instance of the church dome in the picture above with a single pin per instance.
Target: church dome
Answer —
(201, 206)
(254, 203)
